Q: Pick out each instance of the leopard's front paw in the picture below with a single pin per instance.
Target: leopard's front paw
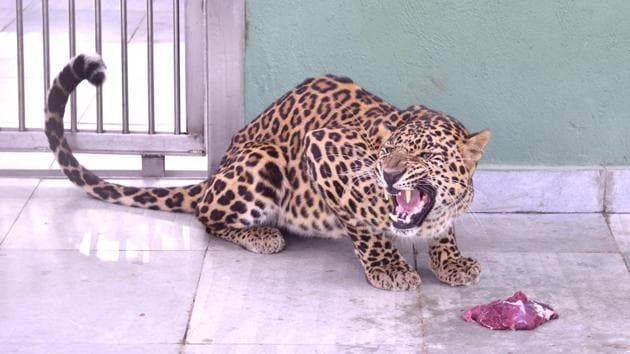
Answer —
(458, 271)
(393, 277)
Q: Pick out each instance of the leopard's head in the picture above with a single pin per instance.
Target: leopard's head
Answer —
(425, 169)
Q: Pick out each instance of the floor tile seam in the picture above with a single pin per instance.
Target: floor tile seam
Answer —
(90, 102)
(76, 250)
(214, 251)
(542, 252)
(538, 212)
(377, 345)
(607, 218)
(135, 31)
(126, 343)
(28, 7)
(184, 338)
(13, 20)
(52, 163)
(6, 235)
(605, 177)
(625, 259)
(423, 331)
(8, 25)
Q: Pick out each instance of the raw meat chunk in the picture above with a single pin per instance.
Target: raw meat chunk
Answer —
(515, 312)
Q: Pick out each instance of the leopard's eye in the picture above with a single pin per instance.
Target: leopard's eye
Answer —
(426, 155)
(387, 149)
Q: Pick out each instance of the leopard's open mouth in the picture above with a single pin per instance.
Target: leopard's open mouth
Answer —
(411, 207)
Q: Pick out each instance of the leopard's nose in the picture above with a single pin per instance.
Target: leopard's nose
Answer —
(391, 177)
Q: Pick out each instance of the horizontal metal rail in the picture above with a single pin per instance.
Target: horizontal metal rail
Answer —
(132, 143)
(126, 174)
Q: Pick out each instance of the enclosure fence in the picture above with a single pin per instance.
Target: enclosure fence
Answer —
(205, 101)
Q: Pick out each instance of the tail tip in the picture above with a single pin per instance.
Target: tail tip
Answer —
(93, 68)
(97, 78)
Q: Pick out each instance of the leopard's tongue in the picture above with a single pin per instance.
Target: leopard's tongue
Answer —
(410, 202)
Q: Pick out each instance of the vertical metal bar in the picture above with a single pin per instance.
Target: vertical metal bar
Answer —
(225, 34)
(125, 72)
(99, 50)
(150, 65)
(73, 51)
(176, 66)
(20, 67)
(195, 67)
(46, 42)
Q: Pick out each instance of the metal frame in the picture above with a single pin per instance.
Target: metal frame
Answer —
(19, 29)
(225, 38)
(84, 141)
(126, 174)
(214, 48)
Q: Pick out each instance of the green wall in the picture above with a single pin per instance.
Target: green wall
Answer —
(550, 78)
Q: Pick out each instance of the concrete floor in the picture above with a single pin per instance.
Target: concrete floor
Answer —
(78, 275)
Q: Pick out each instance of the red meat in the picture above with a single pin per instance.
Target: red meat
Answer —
(515, 312)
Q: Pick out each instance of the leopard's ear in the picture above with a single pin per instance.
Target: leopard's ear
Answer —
(473, 147)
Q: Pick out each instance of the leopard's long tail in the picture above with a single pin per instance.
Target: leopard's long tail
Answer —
(91, 68)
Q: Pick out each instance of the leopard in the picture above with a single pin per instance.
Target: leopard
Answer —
(327, 159)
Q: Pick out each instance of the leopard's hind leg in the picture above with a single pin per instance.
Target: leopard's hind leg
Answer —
(242, 201)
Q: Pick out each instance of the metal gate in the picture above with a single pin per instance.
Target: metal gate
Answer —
(195, 111)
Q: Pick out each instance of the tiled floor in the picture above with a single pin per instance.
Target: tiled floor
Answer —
(78, 275)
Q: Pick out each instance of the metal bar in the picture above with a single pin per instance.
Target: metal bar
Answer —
(46, 42)
(20, 67)
(153, 166)
(99, 43)
(125, 72)
(126, 174)
(224, 75)
(110, 143)
(73, 51)
(150, 66)
(195, 67)
(176, 69)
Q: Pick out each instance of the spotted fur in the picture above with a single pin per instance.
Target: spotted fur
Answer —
(317, 162)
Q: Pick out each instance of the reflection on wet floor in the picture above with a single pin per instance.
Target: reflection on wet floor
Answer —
(112, 250)
(46, 223)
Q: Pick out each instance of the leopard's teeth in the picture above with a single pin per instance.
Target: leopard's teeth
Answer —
(386, 196)
(408, 196)
(393, 217)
